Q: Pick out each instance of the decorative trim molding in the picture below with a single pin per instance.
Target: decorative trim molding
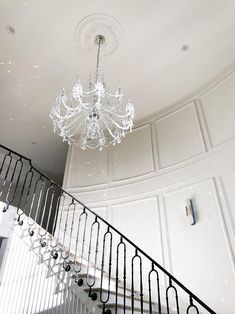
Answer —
(166, 180)
(192, 104)
(208, 150)
(204, 90)
(119, 181)
(231, 253)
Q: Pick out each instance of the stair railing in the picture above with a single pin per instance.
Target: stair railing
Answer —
(127, 278)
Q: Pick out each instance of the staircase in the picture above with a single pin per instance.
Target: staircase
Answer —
(64, 258)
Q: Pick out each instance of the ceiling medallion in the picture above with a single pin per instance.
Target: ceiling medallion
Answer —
(94, 24)
(94, 118)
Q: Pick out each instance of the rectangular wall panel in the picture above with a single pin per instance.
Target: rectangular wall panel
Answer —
(199, 254)
(133, 156)
(228, 181)
(218, 107)
(139, 221)
(179, 136)
(87, 167)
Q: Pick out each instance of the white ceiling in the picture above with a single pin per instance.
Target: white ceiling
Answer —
(153, 69)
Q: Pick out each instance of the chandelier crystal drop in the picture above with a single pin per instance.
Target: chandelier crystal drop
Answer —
(94, 118)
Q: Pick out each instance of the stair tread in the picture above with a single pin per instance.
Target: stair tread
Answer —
(121, 306)
(128, 296)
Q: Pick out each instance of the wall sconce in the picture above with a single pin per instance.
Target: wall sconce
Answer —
(190, 211)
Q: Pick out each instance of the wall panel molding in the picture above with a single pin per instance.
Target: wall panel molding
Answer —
(187, 152)
(218, 112)
(134, 156)
(174, 137)
(225, 226)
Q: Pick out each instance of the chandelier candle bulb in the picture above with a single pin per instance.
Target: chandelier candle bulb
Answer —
(95, 118)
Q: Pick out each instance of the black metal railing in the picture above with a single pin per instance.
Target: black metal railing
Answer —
(95, 252)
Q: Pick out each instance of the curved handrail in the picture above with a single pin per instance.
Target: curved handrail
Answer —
(192, 296)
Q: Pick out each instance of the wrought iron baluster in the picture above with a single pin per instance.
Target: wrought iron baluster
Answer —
(75, 269)
(176, 297)
(105, 300)
(30, 221)
(152, 271)
(50, 208)
(10, 201)
(136, 256)
(94, 267)
(56, 212)
(4, 159)
(19, 211)
(55, 238)
(42, 232)
(6, 173)
(73, 206)
(191, 306)
(121, 243)
(65, 253)
(39, 202)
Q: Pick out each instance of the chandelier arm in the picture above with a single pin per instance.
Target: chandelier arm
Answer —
(86, 106)
(70, 108)
(92, 147)
(67, 116)
(96, 146)
(76, 142)
(109, 106)
(66, 127)
(110, 131)
(113, 95)
(117, 115)
(90, 92)
(108, 109)
(114, 122)
(76, 108)
(77, 128)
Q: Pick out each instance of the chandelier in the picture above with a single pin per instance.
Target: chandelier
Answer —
(94, 118)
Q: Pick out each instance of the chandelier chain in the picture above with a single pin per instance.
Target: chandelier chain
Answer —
(98, 54)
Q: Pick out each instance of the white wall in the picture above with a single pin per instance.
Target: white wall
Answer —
(141, 185)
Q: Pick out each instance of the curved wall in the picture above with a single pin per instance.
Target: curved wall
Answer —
(141, 185)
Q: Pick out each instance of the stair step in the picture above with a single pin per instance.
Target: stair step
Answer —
(105, 281)
(128, 309)
(120, 294)
(128, 300)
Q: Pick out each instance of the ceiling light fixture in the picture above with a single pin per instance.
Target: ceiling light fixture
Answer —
(10, 29)
(95, 118)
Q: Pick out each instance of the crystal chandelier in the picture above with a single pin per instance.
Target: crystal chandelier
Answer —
(95, 118)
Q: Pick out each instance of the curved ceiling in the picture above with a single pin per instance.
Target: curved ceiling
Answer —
(169, 50)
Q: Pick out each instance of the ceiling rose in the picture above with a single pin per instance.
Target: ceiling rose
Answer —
(94, 24)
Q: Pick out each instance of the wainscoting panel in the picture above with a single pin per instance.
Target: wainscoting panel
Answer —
(134, 156)
(139, 220)
(200, 249)
(228, 183)
(178, 136)
(87, 168)
(219, 112)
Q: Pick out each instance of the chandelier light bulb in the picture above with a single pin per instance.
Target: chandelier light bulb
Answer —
(95, 118)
